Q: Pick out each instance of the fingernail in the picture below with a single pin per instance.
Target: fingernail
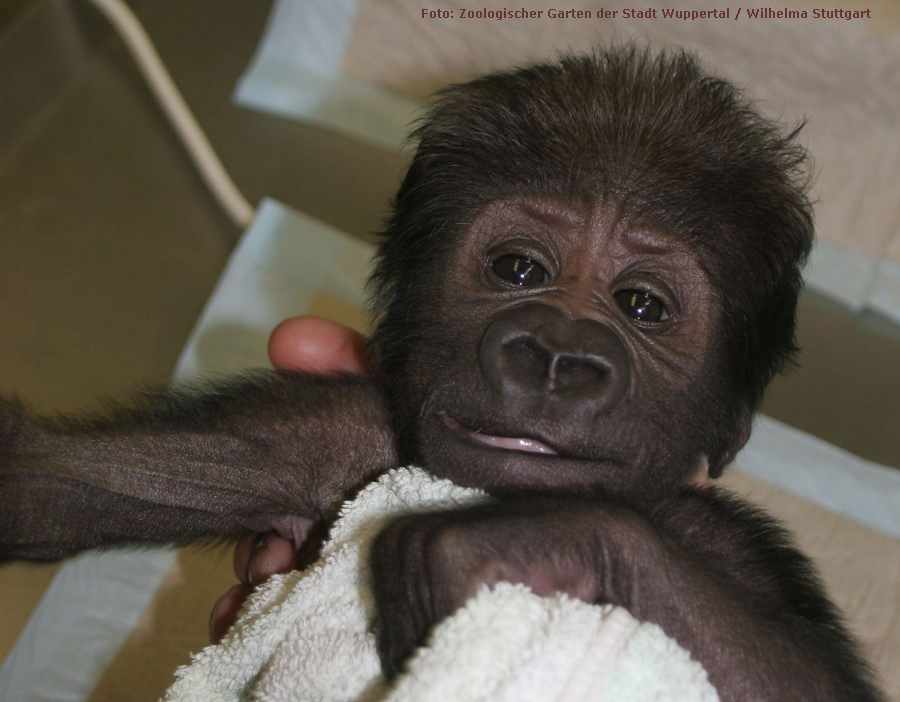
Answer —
(258, 545)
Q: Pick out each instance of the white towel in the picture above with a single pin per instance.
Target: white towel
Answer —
(306, 636)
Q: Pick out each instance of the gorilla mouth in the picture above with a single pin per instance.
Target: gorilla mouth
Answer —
(504, 443)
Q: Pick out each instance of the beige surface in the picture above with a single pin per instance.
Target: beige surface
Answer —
(332, 307)
(393, 45)
(173, 626)
(21, 585)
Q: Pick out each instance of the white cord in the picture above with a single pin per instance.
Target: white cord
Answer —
(182, 120)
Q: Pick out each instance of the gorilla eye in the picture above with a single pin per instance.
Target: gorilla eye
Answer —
(642, 306)
(520, 270)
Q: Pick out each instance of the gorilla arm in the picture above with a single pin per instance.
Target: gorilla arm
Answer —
(717, 575)
(265, 452)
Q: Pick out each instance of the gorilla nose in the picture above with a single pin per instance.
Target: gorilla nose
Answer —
(535, 353)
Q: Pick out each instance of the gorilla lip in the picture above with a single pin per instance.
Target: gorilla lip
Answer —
(504, 443)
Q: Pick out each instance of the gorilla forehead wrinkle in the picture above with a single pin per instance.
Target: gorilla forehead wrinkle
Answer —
(603, 230)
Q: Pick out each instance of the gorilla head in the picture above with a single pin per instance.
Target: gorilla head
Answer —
(595, 262)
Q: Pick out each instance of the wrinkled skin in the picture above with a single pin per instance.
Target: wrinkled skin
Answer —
(590, 276)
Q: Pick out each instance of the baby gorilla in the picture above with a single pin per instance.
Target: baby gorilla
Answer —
(590, 276)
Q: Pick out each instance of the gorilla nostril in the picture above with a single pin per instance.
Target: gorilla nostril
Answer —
(527, 346)
(574, 363)
(527, 354)
(575, 372)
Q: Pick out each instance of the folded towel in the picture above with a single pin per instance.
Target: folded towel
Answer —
(306, 635)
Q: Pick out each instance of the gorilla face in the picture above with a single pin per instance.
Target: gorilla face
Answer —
(570, 353)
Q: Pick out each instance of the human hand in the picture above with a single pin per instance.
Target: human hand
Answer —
(305, 344)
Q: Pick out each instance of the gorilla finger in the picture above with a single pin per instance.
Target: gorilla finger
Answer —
(397, 635)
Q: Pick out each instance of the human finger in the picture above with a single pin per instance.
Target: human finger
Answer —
(225, 611)
(316, 345)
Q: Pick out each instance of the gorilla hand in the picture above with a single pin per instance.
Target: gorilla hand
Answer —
(426, 566)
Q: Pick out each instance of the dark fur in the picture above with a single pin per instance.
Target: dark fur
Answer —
(567, 164)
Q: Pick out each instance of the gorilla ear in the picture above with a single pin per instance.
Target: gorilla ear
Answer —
(736, 442)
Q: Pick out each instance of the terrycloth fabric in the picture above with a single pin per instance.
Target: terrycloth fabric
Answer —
(305, 636)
